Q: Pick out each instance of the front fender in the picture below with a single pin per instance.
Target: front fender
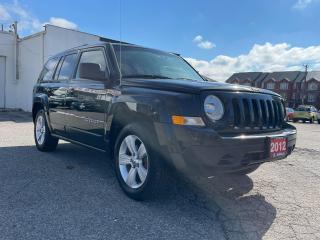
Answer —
(155, 105)
(135, 104)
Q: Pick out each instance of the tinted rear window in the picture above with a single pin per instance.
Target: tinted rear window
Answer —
(48, 69)
(67, 67)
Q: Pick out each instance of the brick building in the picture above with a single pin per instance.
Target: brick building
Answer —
(294, 86)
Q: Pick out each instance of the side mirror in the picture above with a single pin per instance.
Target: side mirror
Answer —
(91, 71)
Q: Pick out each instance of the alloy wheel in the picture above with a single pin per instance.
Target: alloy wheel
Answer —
(40, 130)
(133, 161)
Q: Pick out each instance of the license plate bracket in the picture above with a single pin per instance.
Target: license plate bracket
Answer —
(278, 147)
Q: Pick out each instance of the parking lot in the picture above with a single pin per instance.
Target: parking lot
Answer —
(72, 193)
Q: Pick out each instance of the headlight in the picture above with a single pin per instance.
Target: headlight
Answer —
(213, 108)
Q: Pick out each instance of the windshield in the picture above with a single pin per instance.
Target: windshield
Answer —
(137, 62)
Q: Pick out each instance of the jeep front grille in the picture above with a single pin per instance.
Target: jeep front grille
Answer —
(257, 113)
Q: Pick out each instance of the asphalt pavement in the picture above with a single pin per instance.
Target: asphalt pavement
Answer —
(72, 193)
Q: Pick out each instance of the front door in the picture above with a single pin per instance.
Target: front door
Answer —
(88, 99)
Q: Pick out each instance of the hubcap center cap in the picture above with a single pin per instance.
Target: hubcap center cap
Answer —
(134, 162)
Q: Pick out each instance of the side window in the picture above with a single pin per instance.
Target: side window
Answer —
(67, 67)
(48, 69)
(92, 65)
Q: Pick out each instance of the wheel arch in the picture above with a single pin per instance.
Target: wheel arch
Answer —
(39, 102)
(123, 114)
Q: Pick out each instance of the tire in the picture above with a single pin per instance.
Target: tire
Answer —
(43, 139)
(319, 121)
(311, 120)
(294, 120)
(247, 170)
(304, 121)
(139, 172)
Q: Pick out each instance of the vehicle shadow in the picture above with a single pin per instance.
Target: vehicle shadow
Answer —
(223, 207)
(242, 212)
(16, 116)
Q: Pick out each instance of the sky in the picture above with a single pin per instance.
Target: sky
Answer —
(217, 37)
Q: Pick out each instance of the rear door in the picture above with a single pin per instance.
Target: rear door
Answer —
(62, 77)
(61, 100)
(87, 98)
(55, 91)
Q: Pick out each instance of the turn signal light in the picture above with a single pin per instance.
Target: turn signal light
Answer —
(187, 121)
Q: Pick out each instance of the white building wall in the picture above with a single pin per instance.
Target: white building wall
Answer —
(58, 39)
(30, 64)
(33, 53)
(7, 50)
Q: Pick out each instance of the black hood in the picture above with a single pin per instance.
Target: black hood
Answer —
(190, 86)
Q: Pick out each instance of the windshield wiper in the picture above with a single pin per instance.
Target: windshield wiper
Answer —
(149, 76)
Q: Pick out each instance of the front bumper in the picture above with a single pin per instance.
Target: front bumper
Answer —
(202, 151)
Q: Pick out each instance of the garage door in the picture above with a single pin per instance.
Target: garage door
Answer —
(2, 81)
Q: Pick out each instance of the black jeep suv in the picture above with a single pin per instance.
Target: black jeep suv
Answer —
(149, 108)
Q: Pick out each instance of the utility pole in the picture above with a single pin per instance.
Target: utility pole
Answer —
(304, 84)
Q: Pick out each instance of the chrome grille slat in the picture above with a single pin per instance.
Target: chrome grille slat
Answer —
(242, 114)
(260, 121)
(275, 107)
(280, 111)
(251, 111)
(267, 114)
(271, 114)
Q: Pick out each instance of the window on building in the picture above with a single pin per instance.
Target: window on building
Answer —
(270, 85)
(247, 83)
(67, 67)
(313, 86)
(284, 86)
(92, 65)
(48, 69)
(294, 96)
(311, 98)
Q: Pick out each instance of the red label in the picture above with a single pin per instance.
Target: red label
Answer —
(278, 147)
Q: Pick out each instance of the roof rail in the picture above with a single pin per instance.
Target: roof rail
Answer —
(78, 46)
(108, 40)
